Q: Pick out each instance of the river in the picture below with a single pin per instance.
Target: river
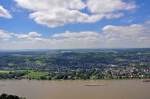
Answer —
(101, 89)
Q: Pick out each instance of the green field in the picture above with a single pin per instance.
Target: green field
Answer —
(5, 71)
(36, 74)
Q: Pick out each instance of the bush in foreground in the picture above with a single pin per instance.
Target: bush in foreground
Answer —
(5, 96)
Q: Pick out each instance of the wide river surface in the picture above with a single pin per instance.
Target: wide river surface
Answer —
(102, 89)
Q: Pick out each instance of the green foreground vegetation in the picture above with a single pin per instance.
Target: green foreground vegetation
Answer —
(6, 96)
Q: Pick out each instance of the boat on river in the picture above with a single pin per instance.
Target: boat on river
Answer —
(95, 85)
(146, 80)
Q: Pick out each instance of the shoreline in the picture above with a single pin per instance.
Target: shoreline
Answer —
(144, 80)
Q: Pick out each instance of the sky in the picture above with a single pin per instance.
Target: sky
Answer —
(73, 24)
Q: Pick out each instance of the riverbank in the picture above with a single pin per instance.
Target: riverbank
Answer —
(42, 75)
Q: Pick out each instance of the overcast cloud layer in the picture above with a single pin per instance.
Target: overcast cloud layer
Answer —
(58, 13)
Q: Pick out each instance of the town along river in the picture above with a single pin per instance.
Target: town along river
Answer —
(102, 89)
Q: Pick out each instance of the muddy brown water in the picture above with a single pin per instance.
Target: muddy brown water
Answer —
(102, 89)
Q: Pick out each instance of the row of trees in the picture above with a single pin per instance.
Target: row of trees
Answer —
(118, 73)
